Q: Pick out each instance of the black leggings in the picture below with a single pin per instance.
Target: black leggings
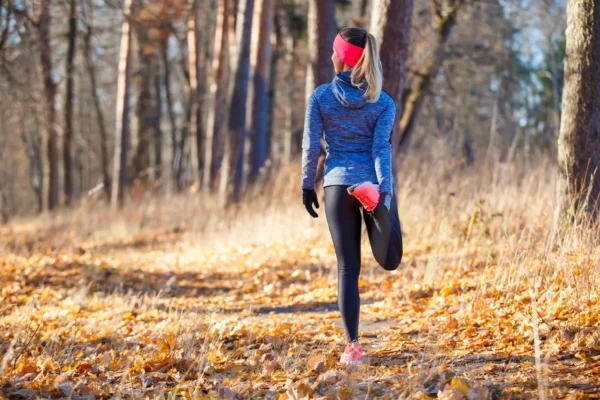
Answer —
(343, 217)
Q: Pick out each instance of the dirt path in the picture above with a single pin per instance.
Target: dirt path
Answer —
(154, 316)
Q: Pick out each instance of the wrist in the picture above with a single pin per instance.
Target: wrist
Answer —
(386, 198)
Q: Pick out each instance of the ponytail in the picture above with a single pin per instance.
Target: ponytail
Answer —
(368, 69)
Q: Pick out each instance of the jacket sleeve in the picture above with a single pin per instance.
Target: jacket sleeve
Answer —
(311, 141)
(382, 147)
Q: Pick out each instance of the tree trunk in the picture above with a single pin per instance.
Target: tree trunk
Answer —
(359, 9)
(363, 8)
(555, 87)
(36, 165)
(218, 91)
(237, 109)
(390, 24)
(288, 132)
(68, 137)
(158, 136)
(104, 157)
(321, 32)
(146, 106)
(197, 82)
(122, 112)
(281, 30)
(579, 141)
(50, 92)
(177, 157)
(444, 24)
(187, 122)
(262, 55)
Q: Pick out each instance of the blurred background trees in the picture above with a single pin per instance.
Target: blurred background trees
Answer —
(154, 97)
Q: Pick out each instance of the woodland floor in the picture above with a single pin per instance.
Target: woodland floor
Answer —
(155, 316)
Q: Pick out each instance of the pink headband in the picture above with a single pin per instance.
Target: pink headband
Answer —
(347, 52)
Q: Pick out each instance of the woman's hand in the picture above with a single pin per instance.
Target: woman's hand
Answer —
(309, 197)
(384, 205)
(381, 211)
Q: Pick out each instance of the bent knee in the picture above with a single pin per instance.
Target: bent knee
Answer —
(393, 263)
(391, 267)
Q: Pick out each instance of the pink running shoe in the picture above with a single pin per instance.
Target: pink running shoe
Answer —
(367, 193)
(353, 354)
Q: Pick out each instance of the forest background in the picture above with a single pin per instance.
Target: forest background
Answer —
(152, 236)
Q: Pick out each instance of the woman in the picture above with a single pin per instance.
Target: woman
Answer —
(356, 118)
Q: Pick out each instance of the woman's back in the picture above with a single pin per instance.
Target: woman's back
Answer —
(356, 133)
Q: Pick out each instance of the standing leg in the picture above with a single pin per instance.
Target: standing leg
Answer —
(343, 217)
(386, 237)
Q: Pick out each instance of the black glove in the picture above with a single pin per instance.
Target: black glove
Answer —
(309, 196)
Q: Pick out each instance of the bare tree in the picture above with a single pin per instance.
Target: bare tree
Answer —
(50, 93)
(321, 32)
(444, 16)
(261, 59)
(68, 136)
(197, 80)
(177, 156)
(218, 91)
(391, 22)
(91, 69)
(158, 135)
(189, 72)
(33, 144)
(122, 112)
(288, 131)
(239, 95)
(579, 141)
(146, 110)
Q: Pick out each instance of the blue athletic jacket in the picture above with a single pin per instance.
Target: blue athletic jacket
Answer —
(357, 135)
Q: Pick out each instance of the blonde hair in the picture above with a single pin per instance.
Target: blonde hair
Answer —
(368, 69)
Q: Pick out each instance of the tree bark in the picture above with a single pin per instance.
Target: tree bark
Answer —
(68, 137)
(122, 112)
(321, 32)
(579, 141)
(237, 110)
(555, 87)
(262, 55)
(177, 157)
(218, 91)
(281, 30)
(189, 72)
(6, 23)
(50, 94)
(288, 132)
(197, 83)
(391, 21)
(158, 135)
(359, 9)
(36, 165)
(146, 105)
(444, 24)
(104, 157)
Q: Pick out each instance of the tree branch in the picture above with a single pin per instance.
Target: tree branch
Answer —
(5, 30)
(436, 9)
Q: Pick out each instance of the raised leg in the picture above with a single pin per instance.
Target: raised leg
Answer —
(386, 237)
